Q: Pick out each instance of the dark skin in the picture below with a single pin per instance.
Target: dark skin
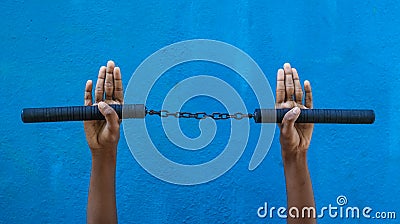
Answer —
(103, 137)
(295, 140)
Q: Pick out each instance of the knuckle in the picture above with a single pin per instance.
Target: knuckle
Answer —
(283, 130)
(109, 91)
(280, 91)
(289, 89)
(289, 70)
(290, 85)
(288, 118)
(108, 84)
(108, 111)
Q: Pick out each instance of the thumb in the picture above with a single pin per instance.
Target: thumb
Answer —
(111, 116)
(289, 119)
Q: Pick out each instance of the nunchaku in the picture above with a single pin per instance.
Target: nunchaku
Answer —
(139, 111)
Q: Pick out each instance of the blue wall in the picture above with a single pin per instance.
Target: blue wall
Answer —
(348, 49)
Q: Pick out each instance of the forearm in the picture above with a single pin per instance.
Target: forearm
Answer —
(101, 200)
(299, 189)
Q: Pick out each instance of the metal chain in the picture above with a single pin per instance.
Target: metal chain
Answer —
(200, 115)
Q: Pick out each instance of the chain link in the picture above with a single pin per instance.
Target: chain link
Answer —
(200, 115)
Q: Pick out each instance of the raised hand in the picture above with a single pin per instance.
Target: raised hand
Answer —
(104, 135)
(102, 138)
(294, 137)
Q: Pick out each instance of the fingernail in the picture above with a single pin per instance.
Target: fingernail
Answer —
(102, 105)
(296, 110)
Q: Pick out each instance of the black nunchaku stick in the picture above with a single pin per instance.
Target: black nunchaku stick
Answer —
(139, 111)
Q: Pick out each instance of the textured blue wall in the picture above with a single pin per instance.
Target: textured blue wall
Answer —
(348, 49)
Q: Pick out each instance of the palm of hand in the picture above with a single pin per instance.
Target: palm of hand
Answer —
(97, 134)
(299, 139)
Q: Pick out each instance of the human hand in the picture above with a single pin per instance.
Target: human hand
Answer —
(294, 137)
(102, 136)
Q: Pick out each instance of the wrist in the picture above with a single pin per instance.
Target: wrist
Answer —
(290, 157)
(104, 154)
(295, 168)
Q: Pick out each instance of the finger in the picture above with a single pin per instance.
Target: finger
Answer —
(118, 90)
(289, 86)
(99, 91)
(287, 125)
(109, 83)
(280, 86)
(88, 93)
(111, 116)
(309, 98)
(298, 91)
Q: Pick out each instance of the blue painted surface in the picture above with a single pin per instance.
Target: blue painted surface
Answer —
(348, 49)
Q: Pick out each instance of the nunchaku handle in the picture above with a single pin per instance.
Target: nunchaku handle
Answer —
(337, 116)
(81, 113)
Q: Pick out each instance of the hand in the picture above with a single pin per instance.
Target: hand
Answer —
(295, 137)
(103, 136)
